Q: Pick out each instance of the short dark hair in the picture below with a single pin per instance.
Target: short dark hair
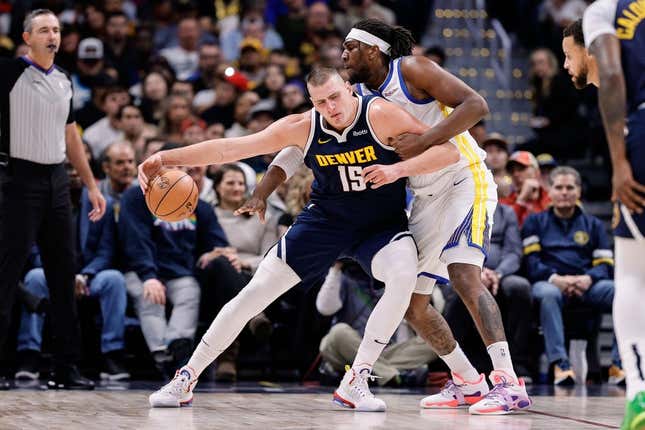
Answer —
(119, 114)
(33, 14)
(218, 176)
(117, 14)
(575, 30)
(437, 51)
(319, 75)
(112, 90)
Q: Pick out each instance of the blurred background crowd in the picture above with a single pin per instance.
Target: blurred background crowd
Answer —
(153, 74)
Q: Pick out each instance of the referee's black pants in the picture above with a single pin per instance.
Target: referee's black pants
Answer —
(35, 208)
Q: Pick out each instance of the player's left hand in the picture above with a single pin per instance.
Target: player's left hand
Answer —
(98, 204)
(379, 175)
(407, 145)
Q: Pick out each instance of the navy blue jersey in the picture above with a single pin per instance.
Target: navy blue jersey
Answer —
(630, 29)
(337, 161)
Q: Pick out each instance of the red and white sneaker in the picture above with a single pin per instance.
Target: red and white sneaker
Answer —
(457, 393)
(507, 395)
(176, 393)
(354, 392)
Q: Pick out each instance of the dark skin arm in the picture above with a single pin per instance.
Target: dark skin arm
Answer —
(424, 78)
(257, 203)
(612, 100)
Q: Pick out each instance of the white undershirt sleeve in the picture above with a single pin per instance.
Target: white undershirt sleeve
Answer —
(598, 20)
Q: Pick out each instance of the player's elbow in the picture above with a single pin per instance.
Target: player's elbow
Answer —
(480, 106)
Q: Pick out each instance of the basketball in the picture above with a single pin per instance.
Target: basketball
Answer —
(172, 196)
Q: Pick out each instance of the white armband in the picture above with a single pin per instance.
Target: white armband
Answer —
(289, 159)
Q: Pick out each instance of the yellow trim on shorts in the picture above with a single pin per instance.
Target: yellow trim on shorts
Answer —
(598, 261)
(475, 164)
(536, 247)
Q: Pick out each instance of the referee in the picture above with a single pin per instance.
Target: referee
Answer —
(37, 131)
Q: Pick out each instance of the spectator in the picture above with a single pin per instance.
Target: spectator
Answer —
(511, 291)
(547, 163)
(252, 61)
(119, 51)
(353, 11)
(350, 296)
(243, 106)
(90, 66)
(92, 111)
(319, 24)
(135, 130)
(251, 25)
(210, 57)
(95, 278)
(161, 258)
(555, 120)
(274, 80)
(250, 237)
(224, 107)
(68, 52)
(496, 148)
(177, 110)
(154, 92)
(529, 195)
(204, 184)
(120, 169)
(568, 259)
(153, 144)
(193, 130)
(292, 25)
(291, 97)
(107, 130)
(184, 58)
(183, 88)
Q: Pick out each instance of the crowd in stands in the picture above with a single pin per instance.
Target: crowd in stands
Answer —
(152, 75)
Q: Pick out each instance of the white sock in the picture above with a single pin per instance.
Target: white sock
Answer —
(395, 265)
(500, 355)
(459, 364)
(273, 278)
(629, 318)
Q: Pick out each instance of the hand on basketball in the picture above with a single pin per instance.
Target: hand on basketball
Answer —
(407, 145)
(253, 205)
(98, 204)
(379, 175)
(626, 189)
(150, 168)
(154, 291)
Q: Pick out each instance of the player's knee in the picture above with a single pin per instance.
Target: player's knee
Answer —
(36, 283)
(396, 263)
(466, 280)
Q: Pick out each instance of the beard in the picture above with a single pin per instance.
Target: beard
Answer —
(580, 81)
(357, 76)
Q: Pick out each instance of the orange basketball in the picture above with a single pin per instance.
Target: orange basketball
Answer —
(172, 196)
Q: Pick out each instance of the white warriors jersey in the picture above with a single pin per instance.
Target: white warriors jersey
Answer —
(430, 112)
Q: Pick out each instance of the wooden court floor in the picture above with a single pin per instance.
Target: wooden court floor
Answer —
(279, 408)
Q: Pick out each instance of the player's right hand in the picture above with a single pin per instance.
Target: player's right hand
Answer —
(254, 205)
(154, 291)
(150, 168)
(626, 190)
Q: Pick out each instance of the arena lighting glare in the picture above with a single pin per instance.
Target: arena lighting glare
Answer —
(229, 71)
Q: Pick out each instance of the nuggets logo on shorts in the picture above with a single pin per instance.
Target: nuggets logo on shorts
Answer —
(581, 237)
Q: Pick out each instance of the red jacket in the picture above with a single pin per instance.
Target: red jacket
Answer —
(523, 210)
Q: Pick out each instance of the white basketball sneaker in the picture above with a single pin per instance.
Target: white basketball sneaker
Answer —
(176, 393)
(457, 393)
(354, 392)
(508, 395)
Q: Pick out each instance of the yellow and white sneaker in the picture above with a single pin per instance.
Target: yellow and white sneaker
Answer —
(354, 392)
(616, 375)
(176, 393)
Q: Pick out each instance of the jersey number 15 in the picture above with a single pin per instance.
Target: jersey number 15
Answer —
(352, 178)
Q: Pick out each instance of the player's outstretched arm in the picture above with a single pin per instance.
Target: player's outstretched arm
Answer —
(290, 130)
(612, 100)
(390, 120)
(469, 107)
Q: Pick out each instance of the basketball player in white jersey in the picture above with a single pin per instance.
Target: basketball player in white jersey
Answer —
(452, 212)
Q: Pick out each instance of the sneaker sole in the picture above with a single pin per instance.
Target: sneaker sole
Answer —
(346, 404)
(185, 404)
(520, 406)
(25, 375)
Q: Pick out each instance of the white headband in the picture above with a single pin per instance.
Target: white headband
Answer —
(369, 39)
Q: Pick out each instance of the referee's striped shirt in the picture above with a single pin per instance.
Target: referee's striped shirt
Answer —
(35, 107)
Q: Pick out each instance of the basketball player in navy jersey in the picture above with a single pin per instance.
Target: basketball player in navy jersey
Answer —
(451, 213)
(342, 135)
(614, 35)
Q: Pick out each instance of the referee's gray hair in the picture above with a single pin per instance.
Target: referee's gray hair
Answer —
(565, 170)
(33, 14)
